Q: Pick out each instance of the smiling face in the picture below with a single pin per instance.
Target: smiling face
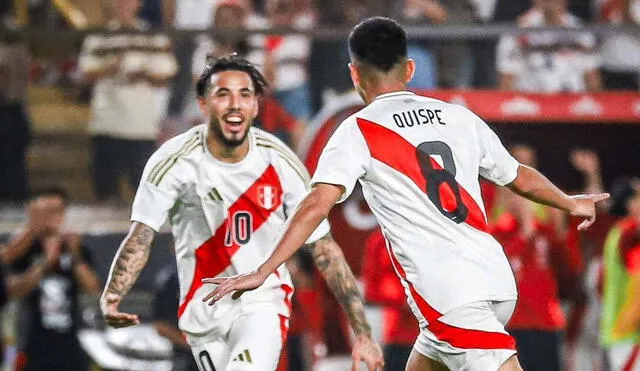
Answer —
(231, 104)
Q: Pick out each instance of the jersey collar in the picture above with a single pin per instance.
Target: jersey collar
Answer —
(394, 94)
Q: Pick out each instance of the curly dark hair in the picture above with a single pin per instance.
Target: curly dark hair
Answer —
(231, 62)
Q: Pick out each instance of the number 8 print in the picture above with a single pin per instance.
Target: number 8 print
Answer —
(436, 176)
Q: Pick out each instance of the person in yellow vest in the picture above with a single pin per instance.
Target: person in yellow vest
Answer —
(620, 327)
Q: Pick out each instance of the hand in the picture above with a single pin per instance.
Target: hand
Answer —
(585, 161)
(585, 207)
(109, 303)
(239, 284)
(367, 351)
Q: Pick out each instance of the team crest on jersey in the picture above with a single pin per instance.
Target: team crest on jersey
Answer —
(268, 196)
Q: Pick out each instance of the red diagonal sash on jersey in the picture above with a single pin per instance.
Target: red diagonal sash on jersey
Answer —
(390, 148)
(455, 336)
(213, 257)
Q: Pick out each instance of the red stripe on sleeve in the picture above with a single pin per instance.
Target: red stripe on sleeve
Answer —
(213, 257)
(390, 148)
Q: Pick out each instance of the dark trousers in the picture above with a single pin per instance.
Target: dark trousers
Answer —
(538, 350)
(115, 157)
(14, 139)
(57, 357)
(396, 356)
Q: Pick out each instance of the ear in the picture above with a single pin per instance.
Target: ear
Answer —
(202, 103)
(355, 74)
(256, 106)
(410, 70)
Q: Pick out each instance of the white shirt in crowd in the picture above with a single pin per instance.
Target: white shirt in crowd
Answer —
(224, 218)
(548, 61)
(121, 108)
(433, 220)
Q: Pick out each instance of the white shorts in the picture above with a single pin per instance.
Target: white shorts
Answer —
(624, 357)
(470, 338)
(254, 342)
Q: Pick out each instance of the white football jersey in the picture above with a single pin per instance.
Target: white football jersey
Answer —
(224, 218)
(418, 160)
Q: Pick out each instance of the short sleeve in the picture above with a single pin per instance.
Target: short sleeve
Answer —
(295, 179)
(344, 159)
(496, 164)
(156, 194)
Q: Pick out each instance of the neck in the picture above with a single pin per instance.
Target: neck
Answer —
(374, 90)
(225, 153)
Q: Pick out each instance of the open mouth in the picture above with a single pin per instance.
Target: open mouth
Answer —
(233, 121)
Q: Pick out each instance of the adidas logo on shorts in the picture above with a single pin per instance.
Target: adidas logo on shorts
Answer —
(245, 356)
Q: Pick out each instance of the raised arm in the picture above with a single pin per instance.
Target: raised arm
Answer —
(531, 184)
(131, 257)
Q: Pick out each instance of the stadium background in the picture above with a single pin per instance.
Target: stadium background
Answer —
(59, 151)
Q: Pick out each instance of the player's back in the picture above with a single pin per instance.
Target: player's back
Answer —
(420, 179)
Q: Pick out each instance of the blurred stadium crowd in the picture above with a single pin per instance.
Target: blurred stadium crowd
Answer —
(81, 112)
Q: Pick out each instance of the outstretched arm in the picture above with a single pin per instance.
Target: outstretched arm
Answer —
(131, 257)
(529, 183)
(311, 211)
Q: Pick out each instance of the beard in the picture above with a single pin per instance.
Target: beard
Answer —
(216, 129)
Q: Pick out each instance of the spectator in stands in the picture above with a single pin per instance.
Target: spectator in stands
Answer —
(48, 269)
(382, 287)
(286, 56)
(620, 51)
(548, 62)
(537, 258)
(620, 330)
(327, 76)
(126, 71)
(419, 12)
(14, 123)
(456, 61)
(165, 321)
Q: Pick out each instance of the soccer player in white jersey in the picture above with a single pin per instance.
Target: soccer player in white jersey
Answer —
(418, 160)
(227, 189)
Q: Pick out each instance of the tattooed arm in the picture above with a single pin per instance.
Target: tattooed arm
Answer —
(336, 272)
(131, 257)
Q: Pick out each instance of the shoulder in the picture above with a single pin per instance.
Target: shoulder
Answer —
(172, 150)
(276, 149)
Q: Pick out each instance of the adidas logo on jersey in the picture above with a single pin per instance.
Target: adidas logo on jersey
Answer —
(245, 356)
(214, 195)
